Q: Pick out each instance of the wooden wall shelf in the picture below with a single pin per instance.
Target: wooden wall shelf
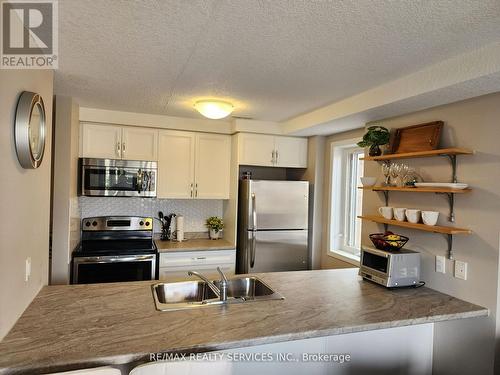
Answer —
(426, 228)
(453, 151)
(416, 189)
(448, 231)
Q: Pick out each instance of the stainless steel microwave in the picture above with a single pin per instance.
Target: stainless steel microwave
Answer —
(390, 269)
(117, 178)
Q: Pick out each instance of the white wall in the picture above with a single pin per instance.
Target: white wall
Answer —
(65, 213)
(315, 175)
(465, 347)
(25, 200)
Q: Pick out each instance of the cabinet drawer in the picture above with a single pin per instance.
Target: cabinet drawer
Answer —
(172, 274)
(197, 258)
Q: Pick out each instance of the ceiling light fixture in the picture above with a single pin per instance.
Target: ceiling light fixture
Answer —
(214, 109)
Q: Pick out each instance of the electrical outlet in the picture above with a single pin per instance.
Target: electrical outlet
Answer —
(460, 270)
(440, 264)
(27, 269)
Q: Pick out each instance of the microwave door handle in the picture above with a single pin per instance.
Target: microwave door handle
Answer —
(139, 180)
(147, 181)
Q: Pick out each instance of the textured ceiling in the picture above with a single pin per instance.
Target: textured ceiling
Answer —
(273, 59)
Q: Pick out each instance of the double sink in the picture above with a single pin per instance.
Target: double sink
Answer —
(195, 294)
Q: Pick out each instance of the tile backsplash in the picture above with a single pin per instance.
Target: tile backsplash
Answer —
(195, 211)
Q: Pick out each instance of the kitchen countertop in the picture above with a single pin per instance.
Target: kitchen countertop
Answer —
(77, 326)
(193, 245)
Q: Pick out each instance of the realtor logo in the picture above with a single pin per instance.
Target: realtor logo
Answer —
(29, 37)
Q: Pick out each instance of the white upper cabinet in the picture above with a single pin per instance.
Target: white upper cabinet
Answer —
(291, 152)
(192, 165)
(99, 141)
(176, 164)
(118, 142)
(272, 151)
(256, 149)
(213, 163)
(139, 143)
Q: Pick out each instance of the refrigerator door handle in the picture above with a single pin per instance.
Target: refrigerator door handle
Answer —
(252, 249)
(254, 213)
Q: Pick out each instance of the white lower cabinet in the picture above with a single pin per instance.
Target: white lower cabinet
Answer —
(174, 266)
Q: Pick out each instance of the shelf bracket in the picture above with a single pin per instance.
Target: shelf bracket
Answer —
(453, 161)
(386, 196)
(386, 227)
(450, 246)
(451, 202)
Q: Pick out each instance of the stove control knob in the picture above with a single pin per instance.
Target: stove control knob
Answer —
(94, 223)
(87, 224)
(147, 223)
(141, 223)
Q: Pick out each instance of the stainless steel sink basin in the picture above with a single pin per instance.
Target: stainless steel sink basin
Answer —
(194, 294)
(250, 288)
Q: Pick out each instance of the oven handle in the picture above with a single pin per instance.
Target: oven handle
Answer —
(116, 259)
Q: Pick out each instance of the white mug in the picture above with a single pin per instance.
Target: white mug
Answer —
(413, 216)
(430, 217)
(386, 212)
(400, 214)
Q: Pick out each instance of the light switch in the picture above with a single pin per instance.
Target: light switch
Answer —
(440, 264)
(460, 270)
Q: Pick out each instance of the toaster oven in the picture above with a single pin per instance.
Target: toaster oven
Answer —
(390, 269)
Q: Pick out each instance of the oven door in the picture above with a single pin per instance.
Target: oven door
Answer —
(118, 181)
(108, 269)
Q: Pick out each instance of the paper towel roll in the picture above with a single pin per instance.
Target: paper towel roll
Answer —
(179, 228)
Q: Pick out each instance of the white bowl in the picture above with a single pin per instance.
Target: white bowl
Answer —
(430, 217)
(368, 181)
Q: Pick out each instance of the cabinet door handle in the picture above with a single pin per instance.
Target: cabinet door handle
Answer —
(118, 149)
(272, 157)
(196, 190)
(123, 148)
(277, 155)
(191, 187)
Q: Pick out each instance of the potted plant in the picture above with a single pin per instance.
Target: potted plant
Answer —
(375, 137)
(215, 225)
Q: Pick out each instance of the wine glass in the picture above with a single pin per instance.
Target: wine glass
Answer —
(402, 173)
(386, 170)
(394, 172)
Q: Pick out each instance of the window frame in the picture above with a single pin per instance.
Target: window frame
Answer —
(337, 210)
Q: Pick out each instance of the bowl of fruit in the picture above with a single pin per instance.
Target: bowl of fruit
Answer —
(388, 241)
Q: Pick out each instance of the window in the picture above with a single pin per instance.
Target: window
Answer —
(346, 200)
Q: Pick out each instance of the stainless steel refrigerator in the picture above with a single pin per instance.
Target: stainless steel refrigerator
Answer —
(272, 226)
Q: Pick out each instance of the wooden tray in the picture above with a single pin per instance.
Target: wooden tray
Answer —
(422, 137)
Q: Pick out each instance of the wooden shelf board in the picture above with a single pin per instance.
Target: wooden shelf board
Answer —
(427, 228)
(422, 154)
(416, 189)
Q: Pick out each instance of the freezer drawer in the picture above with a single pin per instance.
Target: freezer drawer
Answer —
(275, 251)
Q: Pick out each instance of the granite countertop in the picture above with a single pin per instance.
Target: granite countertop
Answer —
(193, 245)
(78, 326)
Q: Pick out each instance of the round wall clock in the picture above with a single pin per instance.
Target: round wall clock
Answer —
(30, 130)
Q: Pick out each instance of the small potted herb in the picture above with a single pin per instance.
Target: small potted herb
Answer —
(215, 225)
(375, 137)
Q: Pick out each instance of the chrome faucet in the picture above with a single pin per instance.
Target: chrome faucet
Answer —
(220, 292)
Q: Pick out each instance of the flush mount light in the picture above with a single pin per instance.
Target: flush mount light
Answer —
(214, 109)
